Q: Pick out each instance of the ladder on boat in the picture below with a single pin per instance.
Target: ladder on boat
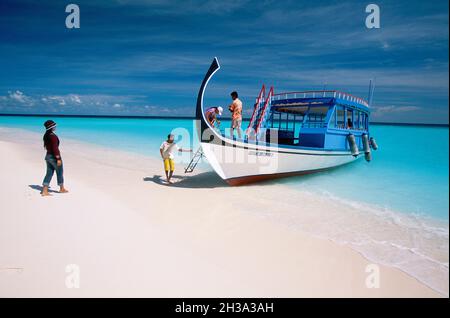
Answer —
(256, 111)
(263, 115)
(194, 161)
(260, 113)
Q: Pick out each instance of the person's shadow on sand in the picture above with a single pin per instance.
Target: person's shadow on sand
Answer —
(198, 181)
(39, 188)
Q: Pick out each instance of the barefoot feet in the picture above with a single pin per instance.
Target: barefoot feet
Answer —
(45, 192)
(63, 190)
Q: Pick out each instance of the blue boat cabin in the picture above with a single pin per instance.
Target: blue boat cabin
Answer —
(312, 119)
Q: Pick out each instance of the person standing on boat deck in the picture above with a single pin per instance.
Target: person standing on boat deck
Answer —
(211, 115)
(52, 158)
(166, 150)
(349, 123)
(236, 117)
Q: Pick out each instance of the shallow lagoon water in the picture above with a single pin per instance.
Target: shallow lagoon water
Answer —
(409, 173)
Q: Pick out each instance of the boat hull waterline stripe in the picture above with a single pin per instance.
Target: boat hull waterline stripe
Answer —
(265, 177)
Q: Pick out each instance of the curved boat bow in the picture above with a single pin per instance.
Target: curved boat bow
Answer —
(202, 126)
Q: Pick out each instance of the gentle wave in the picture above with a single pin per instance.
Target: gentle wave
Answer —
(414, 243)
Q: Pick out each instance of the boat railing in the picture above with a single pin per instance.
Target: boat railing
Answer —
(260, 100)
(262, 116)
(320, 94)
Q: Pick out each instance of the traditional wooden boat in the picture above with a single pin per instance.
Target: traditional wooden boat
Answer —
(289, 134)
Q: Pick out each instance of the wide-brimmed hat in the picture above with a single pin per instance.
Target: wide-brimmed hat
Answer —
(49, 124)
(220, 109)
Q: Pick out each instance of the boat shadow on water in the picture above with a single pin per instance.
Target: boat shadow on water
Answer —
(203, 180)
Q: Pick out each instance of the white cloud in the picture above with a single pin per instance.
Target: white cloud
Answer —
(73, 103)
(60, 100)
(20, 97)
(383, 110)
(75, 98)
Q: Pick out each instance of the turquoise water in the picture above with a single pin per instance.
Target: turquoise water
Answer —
(409, 173)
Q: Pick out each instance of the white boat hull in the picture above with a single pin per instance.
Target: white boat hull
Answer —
(240, 163)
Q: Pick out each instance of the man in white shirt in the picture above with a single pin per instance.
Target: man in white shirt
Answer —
(167, 148)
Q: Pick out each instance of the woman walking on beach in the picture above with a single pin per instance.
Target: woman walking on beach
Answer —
(52, 159)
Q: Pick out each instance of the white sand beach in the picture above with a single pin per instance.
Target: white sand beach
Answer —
(133, 236)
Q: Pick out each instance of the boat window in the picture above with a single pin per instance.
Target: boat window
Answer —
(350, 120)
(316, 117)
(361, 120)
(340, 117)
(332, 123)
(285, 121)
(290, 122)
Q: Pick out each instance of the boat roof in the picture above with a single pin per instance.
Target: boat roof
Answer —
(296, 101)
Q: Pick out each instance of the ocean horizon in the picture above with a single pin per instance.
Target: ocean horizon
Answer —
(193, 117)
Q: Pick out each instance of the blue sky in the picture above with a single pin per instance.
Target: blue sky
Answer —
(148, 57)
